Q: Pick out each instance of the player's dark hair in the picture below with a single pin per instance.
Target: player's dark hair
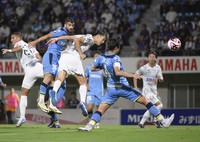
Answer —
(18, 34)
(151, 52)
(97, 52)
(69, 19)
(103, 33)
(114, 42)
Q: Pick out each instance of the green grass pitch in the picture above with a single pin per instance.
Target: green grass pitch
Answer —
(69, 133)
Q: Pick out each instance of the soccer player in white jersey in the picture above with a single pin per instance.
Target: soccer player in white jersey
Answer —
(151, 74)
(70, 64)
(30, 61)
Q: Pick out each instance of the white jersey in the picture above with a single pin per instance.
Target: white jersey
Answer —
(27, 54)
(150, 76)
(88, 42)
(70, 60)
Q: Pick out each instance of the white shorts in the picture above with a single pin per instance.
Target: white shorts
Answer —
(152, 97)
(32, 73)
(71, 63)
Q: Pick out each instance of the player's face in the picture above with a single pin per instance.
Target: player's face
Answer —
(100, 40)
(69, 26)
(14, 39)
(152, 59)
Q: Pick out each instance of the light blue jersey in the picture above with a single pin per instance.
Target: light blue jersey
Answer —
(52, 56)
(95, 83)
(117, 86)
(59, 45)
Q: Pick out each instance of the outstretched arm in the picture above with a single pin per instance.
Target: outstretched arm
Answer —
(118, 72)
(33, 43)
(16, 49)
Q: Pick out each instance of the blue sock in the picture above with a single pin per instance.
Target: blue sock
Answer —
(55, 117)
(153, 109)
(96, 116)
(90, 113)
(43, 88)
(61, 92)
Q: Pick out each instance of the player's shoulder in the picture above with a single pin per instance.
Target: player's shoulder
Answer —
(157, 66)
(20, 43)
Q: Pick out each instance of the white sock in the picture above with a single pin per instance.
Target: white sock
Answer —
(22, 106)
(146, 116)
(56, 85)
(160, 118)
(83, 92)
(41, 98)
(160, 106)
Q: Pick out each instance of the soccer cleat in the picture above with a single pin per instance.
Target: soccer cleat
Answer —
(54, 109)
(167, 122)
(158, 124)
(141, 125)
(96, 126)
(20, 122)
(87, 128)
(43, 107)
(55, 126)
(50, 123)
(83, 108)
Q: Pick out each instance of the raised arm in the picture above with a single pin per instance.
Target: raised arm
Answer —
(33, 43)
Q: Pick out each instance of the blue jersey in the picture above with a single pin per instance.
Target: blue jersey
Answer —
(59, 45)
(107, 62)
(95, 81)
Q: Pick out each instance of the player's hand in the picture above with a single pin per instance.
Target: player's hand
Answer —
(83, 56)
(137, 76)
(4, 51)
(51, 41)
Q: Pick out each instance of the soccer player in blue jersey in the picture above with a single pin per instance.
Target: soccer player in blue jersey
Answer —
(51, 58)
(118, 86)
(95, 88)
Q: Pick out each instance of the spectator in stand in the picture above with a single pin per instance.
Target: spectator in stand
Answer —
(154, 42)
(107, 15)
(196, 32)
(89, 24)
(197, 45)
(183, 33)
(73, 102)
(142, 45)
(144, 32)
(36, 26)
(4, 34)
(171, 15)
(29, 35)
(12, 102)
(176, 24)
(189, 46)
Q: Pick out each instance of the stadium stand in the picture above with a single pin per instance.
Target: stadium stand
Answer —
(127, 17)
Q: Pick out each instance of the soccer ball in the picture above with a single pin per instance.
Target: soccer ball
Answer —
(174, 44)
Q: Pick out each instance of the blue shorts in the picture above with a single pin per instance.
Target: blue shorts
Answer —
(50, 63)
(113, 94)
(94, 99)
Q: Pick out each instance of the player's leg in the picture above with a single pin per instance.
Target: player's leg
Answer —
(109, 99)
(82, 91)
(50, 66)
(153, 98)
(96, 117)
(90, 99)
(28, 81)
(155, 111)
(97, 104)
(54, 100)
